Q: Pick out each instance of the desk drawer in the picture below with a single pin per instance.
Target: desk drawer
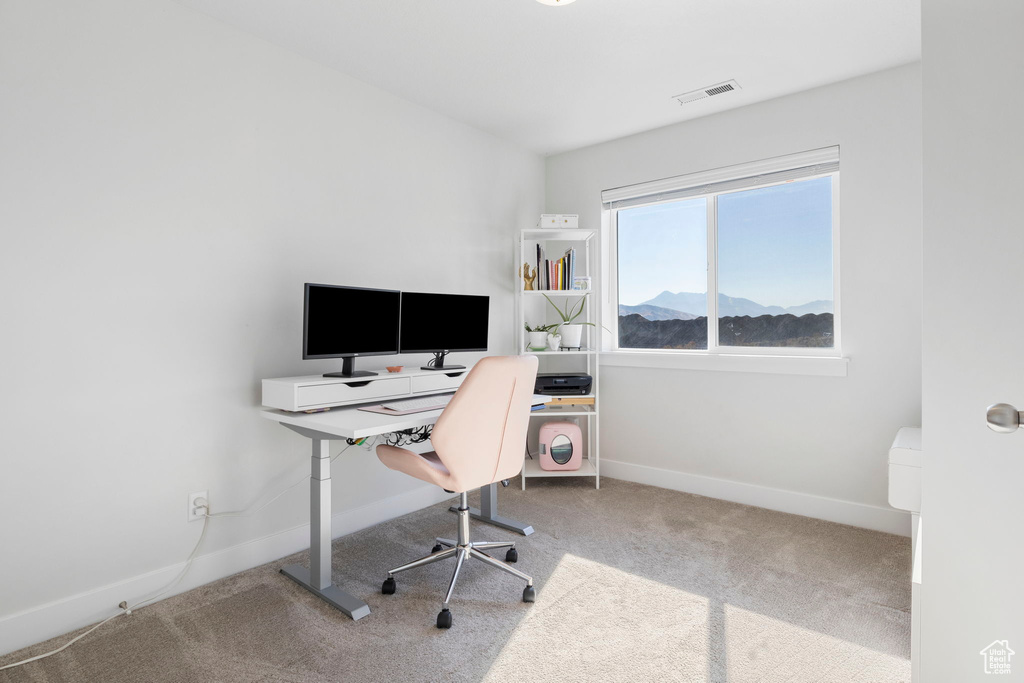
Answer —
(318, 395)
(438, 382)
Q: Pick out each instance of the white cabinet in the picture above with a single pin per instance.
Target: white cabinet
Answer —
(533, 307)
(437, 381)
(338, 393)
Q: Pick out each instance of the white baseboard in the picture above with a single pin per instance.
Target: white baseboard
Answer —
(888, 520)
(52, 619)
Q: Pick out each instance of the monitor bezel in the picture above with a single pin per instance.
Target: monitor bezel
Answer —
(439, 350)
(305, 323)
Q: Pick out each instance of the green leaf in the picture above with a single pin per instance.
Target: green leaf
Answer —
(568, 314)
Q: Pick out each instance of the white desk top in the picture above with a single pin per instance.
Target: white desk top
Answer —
(351, 423)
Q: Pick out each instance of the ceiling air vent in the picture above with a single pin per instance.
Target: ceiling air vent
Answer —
(704, 93)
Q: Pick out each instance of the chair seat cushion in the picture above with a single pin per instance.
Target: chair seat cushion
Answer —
(425, 466)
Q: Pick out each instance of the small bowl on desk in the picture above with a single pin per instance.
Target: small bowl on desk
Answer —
(393, 368)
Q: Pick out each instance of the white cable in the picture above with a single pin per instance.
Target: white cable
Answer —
(181, 575)
(246, 512)
(62, 647)
(125, 611)
(188, 564)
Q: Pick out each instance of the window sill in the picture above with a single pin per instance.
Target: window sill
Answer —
(779, 365)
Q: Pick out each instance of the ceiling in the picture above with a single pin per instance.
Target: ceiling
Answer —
(558, 78)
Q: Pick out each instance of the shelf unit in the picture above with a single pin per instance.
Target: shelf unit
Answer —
(533, 308)
(531, 468)
(566, 352)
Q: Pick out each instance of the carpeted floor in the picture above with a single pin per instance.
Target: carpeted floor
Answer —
(634, 583)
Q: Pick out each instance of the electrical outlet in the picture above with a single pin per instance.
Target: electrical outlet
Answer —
(192, 513)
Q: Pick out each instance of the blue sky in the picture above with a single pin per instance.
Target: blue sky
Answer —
(774, 246)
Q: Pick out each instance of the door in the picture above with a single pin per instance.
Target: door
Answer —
(972, 581)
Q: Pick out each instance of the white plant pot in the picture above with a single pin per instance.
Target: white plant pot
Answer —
(571, 335)
(537, 341)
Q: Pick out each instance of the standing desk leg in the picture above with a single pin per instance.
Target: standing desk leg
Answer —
(488, 511)
(317, 579)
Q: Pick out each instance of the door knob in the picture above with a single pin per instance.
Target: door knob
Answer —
(1003, 418)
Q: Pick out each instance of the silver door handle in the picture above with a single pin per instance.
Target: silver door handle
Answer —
(1003, 418)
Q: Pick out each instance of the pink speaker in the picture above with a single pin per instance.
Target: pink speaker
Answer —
(561, 446)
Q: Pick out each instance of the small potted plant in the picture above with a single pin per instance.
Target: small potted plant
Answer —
(538, 336)
(572, 332)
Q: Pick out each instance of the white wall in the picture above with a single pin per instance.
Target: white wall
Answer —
(822, 436)
(972, 507)
(166, 186)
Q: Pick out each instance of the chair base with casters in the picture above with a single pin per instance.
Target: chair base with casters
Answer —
(462, 549)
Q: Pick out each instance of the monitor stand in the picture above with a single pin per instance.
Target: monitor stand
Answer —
(348, 369)
(438, 363)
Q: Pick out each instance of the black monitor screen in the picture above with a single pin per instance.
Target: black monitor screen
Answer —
(443, 322)
(349, 321)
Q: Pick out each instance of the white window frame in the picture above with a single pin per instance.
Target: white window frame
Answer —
(710, 185)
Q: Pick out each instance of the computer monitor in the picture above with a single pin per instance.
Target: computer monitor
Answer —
(441, 323)
(345, 322)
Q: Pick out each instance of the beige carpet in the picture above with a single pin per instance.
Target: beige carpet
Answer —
(634, 584)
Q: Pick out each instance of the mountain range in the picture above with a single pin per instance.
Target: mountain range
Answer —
(655, 312)
(689, 305)
(806, 331)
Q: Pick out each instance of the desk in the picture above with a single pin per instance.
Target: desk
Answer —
(351, 423)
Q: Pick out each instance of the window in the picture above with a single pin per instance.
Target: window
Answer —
(750, 248)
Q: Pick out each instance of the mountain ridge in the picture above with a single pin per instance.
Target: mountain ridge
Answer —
(654, 312)
(695, 305)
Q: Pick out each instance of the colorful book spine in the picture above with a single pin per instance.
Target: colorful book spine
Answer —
(556, 274)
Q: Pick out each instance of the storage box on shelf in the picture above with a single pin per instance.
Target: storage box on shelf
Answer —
(532, 307)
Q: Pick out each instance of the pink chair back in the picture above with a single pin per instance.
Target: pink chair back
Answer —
(481, 436)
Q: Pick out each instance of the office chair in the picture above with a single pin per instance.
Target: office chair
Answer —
(478, 440)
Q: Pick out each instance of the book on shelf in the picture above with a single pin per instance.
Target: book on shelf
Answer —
(558, 274)
(542, 276)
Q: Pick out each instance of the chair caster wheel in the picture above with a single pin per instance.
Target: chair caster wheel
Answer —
(388, 587)
(529, 594)
(512, 555)
(437, 548)
(444, 618)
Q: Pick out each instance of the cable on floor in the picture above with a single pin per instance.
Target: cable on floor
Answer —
(127, 609)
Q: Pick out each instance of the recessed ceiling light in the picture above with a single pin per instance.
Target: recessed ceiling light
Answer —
(555, 3)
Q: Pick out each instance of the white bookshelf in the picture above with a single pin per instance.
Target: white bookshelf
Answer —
(531, 468)
(533, 308)
(585, 351)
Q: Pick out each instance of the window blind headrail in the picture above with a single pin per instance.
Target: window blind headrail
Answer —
(728, 179)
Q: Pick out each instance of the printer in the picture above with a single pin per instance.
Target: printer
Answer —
(563, 384)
